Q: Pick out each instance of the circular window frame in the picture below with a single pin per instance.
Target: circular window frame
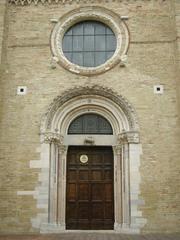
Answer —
(112, 20)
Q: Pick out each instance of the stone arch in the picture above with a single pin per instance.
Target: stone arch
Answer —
(88, 92)
(125, 142)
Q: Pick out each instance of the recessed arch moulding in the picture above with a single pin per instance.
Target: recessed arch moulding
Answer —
(54, 144)
(75, 102)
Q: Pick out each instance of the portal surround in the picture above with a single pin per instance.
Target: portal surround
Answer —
(55, 140)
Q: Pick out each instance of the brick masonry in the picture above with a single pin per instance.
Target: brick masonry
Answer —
(152, 59)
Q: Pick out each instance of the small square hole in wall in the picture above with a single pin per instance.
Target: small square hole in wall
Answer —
(158, 89)
(21, 90)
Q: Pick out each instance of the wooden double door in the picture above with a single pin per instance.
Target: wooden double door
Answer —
(89, 193)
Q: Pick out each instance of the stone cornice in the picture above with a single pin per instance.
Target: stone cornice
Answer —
(36, 2)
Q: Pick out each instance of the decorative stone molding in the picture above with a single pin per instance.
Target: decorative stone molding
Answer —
(36, 2)
(96, 13)
(49, 137)
(89, 91)
(128, 137)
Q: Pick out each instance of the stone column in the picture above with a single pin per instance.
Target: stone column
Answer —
(61, 190)
(125, 140)
(125, 185)
(55, 141)
(53, 182)
(118, 186)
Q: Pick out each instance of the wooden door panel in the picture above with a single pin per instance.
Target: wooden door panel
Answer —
(97, 191)
(97, 224)
(89, 197)
(108, 191)
(72, 210)
(108, 211)
(83, 211)
(108, 224)
(83, 191)
(107, 159)
(71, 175)
(71, 191)
(108, 175)
(83, 175)
(71, 224)
(97, 211)
(96, 159)
(82, 225)
(96, 175)
(72, 159)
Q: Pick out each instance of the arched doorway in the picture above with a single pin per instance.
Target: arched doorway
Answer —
(90, 178)
(119, 121)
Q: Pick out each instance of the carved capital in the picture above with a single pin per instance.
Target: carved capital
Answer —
(62, 149)
(51, 137)
(117, 149)
(128, 137)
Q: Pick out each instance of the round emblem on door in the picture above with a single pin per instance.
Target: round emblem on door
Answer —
(83, 158)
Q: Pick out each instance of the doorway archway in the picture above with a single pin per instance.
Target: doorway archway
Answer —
(90, 178)
(124, 141)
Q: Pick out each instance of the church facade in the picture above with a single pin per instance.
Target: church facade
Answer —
(90, 116)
